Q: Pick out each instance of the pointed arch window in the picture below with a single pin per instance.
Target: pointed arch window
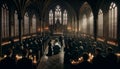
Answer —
(100, 23)
(34, 24)
(65, 17)
(5, 21)
(51, 17)
(16, 25)
(113, 21)
(84, 24)
(26, 24)
(91, 23)
(58, 14)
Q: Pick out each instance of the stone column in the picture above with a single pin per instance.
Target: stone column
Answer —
(95, 25)
(30, 25)
(0, 34)
(77, 24)
(11, 22)
(105, 24)
(118, 29)
(38, 26)
(20, 20)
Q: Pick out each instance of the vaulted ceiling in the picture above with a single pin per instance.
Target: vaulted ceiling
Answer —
(40, 6)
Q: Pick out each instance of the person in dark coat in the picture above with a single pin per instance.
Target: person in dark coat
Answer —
(56, 49)
(111, 58)
(98, 60)
(61, 40)
(49, 49)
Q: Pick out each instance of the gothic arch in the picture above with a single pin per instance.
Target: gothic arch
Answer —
(86, 10)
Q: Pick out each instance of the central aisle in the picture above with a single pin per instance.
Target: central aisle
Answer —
(52, 62)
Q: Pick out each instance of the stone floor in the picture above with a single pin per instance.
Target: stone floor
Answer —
(52, 62)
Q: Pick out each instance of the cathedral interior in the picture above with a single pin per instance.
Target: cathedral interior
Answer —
(59, 34)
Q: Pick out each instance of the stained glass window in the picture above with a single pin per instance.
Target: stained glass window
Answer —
(26, 24)
(51, 17)
(91, 23)
(34, 24)
(16, 23)
(65, 17)
(84, 24)
(5, 21)
(100, 23)
(58, 14)
(113, 21)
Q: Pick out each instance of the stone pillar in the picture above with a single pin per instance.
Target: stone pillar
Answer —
(38, 26)
(118, 29)
(11, 21)
(62, 28)
(0, 34)
(77, 25)
(30, 25)
(42, 26)
(20, 20)
(95, 25)
(74, 27)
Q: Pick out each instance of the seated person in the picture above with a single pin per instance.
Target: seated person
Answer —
(111, 58)
(98, 59)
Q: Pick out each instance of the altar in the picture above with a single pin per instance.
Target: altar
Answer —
(57, 28)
